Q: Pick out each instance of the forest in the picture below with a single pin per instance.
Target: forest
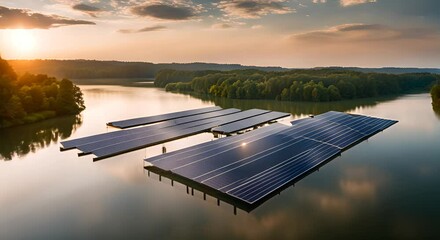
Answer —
(30, 98)
(318, 85)
(92, 69)
(435, 95)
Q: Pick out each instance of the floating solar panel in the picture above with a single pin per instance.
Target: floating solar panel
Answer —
(249, 122)
(146, 130)
(128, 143)
(114, 143)
(254, 165)
(159, 118)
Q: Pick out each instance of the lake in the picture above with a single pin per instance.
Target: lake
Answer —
(385, 187)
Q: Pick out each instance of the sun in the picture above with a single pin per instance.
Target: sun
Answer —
(22, 41)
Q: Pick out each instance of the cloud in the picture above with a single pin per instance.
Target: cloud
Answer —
(347, 3)
(165, 11)
(221, 26)
(253, 8)
(363, 32)
(90, 10)
(366, 45)
(11, 18)
(145, 29)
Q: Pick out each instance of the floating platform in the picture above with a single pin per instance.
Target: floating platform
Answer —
(168, 127)
(251, 167)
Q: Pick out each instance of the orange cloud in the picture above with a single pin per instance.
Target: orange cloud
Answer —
(346, 3)
(253, 8)
(11, 18)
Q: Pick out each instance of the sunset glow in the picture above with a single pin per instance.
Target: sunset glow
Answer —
(23, 42)
(300, 33)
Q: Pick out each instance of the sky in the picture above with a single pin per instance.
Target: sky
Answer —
(287, 33)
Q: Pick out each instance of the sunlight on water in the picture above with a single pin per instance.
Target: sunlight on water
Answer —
(385, 187)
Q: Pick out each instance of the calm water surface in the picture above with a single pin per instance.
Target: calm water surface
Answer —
(386, 187)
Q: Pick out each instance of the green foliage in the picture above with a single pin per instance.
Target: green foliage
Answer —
(14, 108)
(319, 85)
(92, 69)
(35, 117)
(180, 86)
(32, 98)
(435, 95)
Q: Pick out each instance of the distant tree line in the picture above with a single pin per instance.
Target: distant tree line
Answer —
(30, 98)
(319, 85)
(92, 69)
(435, 95)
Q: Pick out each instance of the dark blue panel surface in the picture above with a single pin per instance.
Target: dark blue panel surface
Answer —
(251, 166)
(114, 136)
(136, 141)
(249, 122)
(159, 118)
(188, 156)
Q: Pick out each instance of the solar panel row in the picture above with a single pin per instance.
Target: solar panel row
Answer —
(249, 122)
(146, 129)
(114, 143)
(129, 143)
(159, 118)
(251, 166)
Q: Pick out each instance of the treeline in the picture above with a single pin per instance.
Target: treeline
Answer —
(30, 98)
(319, 85)
(92, 69)
(165, 76)
(435, 95)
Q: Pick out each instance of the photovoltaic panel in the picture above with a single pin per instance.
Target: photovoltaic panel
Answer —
(114, 143)
(159, 118)
(147, 129)
(129, 144)
(253, 165)
(249, 122)
(187, 153)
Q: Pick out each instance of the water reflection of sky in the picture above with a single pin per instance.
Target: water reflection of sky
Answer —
(386, 187)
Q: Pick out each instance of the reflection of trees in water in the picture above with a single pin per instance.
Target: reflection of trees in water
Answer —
(295, 108)
(19, 141)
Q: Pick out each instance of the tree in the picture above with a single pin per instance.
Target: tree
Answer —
(334, 94)
(435, 95)
(346, 89)
(38, 101)
(7, 79)
(285, 95)
(14, 109)
(69, 99)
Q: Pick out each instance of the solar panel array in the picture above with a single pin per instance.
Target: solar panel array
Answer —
(251, 166)
(114, 143)
(159, 118)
